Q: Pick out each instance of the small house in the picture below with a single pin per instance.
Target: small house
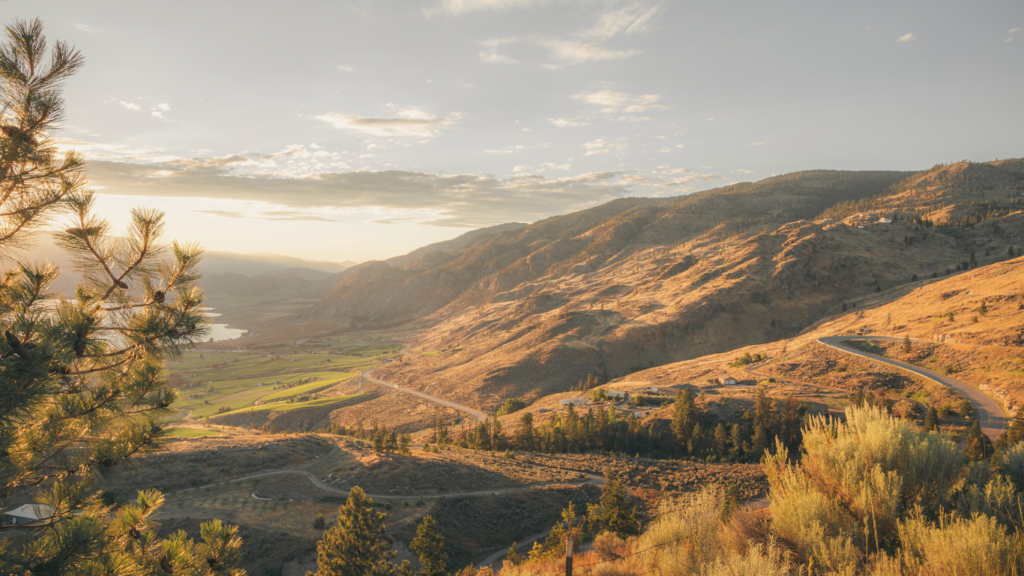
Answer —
(28, 514)
(727, 380)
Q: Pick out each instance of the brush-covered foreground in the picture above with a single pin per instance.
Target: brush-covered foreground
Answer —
(874, 495)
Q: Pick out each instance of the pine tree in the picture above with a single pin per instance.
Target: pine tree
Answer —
(931, 420)
(684, 416)
(617, 511)
(429, 547)
(441, 436)
(721, 440)
(978, 446)
(525, 438)
(81, 378)
(483, 437)
(907, 348)
(736, 437)
(498, 441)
(357, 545)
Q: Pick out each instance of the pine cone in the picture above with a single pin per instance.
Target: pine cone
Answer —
(158, 297)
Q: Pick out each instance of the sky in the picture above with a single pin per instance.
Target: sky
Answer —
(358, 130)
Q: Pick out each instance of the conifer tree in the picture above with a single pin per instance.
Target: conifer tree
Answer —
(357, 545)
(525, 436)
(684, 416)
(931, 420)
(441, 436)
(617, 511)
(429, 547)
(81, 390)
(978, 446)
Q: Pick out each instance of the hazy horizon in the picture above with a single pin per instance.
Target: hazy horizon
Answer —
(363, 130)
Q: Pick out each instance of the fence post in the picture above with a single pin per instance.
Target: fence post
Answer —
(568, 554)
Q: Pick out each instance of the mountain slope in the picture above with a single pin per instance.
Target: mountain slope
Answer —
(487, 265)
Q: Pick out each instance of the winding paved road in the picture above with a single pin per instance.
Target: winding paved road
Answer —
(480, 416)
(990, 415)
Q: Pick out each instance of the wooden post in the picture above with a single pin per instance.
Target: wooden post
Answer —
(568, 555)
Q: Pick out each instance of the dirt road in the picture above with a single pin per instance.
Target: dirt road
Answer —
(990, 415)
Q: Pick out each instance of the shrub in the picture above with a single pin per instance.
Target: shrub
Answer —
(609, 546)
(510, 406)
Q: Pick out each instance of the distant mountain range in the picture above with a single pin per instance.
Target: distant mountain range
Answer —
(213, 265)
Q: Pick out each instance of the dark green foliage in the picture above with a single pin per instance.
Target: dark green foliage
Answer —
(978, 446)
(441, 436)
(81, 384)
(616, 512)
(510, 406)
(318, 522)
(429, 548)
(357, 545)
(907, 347)
(931, 420)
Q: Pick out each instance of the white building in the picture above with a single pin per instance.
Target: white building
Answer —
(28, 514)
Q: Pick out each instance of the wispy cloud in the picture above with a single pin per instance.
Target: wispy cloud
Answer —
(909, 37)
(620, 101)
(1012, 30)
(462, 200)
(409, 122)
(758, 143)
(602, 146)
(89, 29)
(568, 123)
(516, 149)
(587, 45)
(131, 106)
(460, 7)
(345, 68)
(275, 216)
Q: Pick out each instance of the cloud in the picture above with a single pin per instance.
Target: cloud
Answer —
(131, 106)
(516, 149)
(906, 38)
(1012, 30)
(411, 122)
(461, 200)
(586, 45)
(345, 68)
(460, 7)
(621, 102)
(566, 123)
(758, 143)
(600, 146)
(90, 29)
(744, 171)
(276, 216)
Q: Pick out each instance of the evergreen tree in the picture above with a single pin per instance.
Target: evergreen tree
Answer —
(498, 441)
(525, 436)
(81, 378)
(907, 347)
(736, 437)
(429, 547)
(931, 420)
(441, 436)
(721, 440)
(357, 545)
(483, 437)
(617, 511)
(684, 416)
(978, 446)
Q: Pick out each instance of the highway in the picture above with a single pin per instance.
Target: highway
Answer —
(990, 415)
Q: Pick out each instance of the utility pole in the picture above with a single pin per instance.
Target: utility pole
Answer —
(568, 554)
